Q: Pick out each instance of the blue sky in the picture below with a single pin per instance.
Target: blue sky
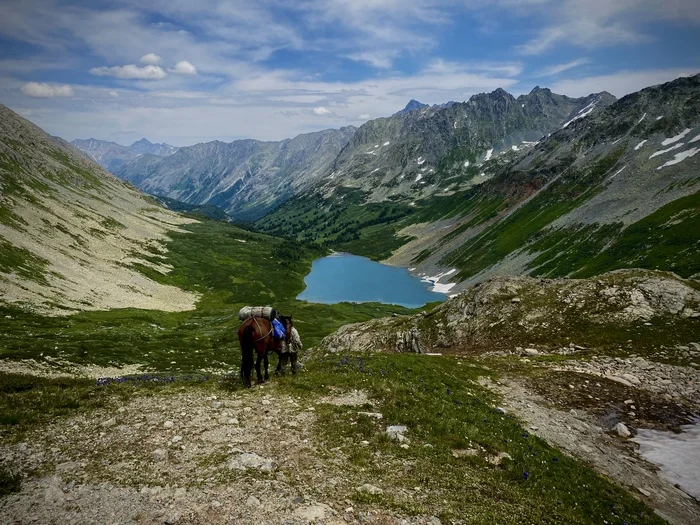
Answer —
(185, 72)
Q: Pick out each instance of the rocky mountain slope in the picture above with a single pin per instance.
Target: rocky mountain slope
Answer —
(112, 156)
(413, 153)
(245, 178)
(70, 232)
(610, 179)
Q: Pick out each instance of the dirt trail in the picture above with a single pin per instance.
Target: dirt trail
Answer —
(244, 457)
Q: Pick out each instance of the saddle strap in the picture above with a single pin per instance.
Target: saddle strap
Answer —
(260, 330)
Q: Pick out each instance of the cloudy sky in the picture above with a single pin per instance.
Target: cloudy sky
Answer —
(184, 72)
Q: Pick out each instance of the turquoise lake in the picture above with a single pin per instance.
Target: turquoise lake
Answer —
(350, 278)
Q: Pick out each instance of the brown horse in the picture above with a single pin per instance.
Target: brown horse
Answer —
(255, 333)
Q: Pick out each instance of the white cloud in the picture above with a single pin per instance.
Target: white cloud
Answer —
(364, 116)
(184, 68)
(560, 68)
(320, 110)
(114, 94)
(150, 59)
(598, 23)
(621, 83)
(378, 59)
(131, 71)
(43, 90)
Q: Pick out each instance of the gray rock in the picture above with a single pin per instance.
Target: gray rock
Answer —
(499, 458)
(109, 423)
(252, 461)
(160, 455)
(531, 352)
(622, 430)
(374, 415)
(396, 433)
(632, 379)
(370, 489)
(176, 439)
(312, 513)
(465, 452)
(621, 380)
(168, 424)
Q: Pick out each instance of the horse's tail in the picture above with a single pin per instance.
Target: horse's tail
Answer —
(248, 339)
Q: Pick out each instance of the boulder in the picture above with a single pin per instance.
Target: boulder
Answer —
(622, 430)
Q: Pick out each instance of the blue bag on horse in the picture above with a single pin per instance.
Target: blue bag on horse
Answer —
(278, 329)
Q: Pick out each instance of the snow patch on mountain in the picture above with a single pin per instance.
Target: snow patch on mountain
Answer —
(680, 157)
(676, 138)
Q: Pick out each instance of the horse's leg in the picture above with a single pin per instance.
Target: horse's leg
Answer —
(267, 365)
(293, 359)
(258, 373)
(247, 365)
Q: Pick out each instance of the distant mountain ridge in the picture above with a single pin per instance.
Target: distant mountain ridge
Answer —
(111, 155)
(245, 178)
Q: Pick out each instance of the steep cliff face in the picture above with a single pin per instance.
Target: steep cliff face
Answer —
(71, 233)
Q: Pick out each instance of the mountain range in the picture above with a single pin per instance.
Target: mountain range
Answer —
(539, 184)
(111, 155)
(409, 153)
(245, 178)
(614, 184)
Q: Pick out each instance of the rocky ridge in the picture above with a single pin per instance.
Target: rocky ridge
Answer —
(509, 312)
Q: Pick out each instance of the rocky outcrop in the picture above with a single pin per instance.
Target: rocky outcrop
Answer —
(510, 312)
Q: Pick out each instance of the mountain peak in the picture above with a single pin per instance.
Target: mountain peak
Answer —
(143, 142)
(412, 105)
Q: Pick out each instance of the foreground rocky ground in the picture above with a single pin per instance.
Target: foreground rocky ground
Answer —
(247, 457)
(193, 456)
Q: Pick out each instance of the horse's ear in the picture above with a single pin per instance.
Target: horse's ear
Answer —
(292, 315)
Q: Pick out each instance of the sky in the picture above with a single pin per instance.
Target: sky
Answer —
(183, 72)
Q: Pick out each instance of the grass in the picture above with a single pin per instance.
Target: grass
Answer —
(442, 405)
(438, 399)
(22, 262)
(525, 224)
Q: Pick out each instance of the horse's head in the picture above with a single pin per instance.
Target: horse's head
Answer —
(287, 323)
